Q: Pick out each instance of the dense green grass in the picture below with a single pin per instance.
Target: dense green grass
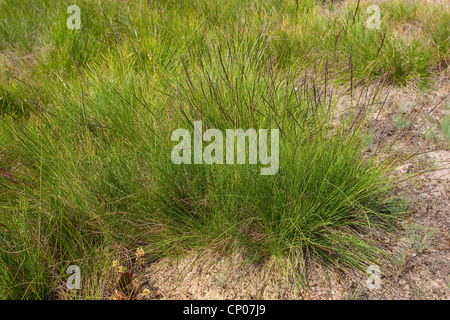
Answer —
(87, 117)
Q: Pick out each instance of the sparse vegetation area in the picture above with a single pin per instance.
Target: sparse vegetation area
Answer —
(445, 125)
(85, 138)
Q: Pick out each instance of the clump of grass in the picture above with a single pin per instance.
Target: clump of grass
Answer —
(420, 240)
(324, 194)
(445, 126)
